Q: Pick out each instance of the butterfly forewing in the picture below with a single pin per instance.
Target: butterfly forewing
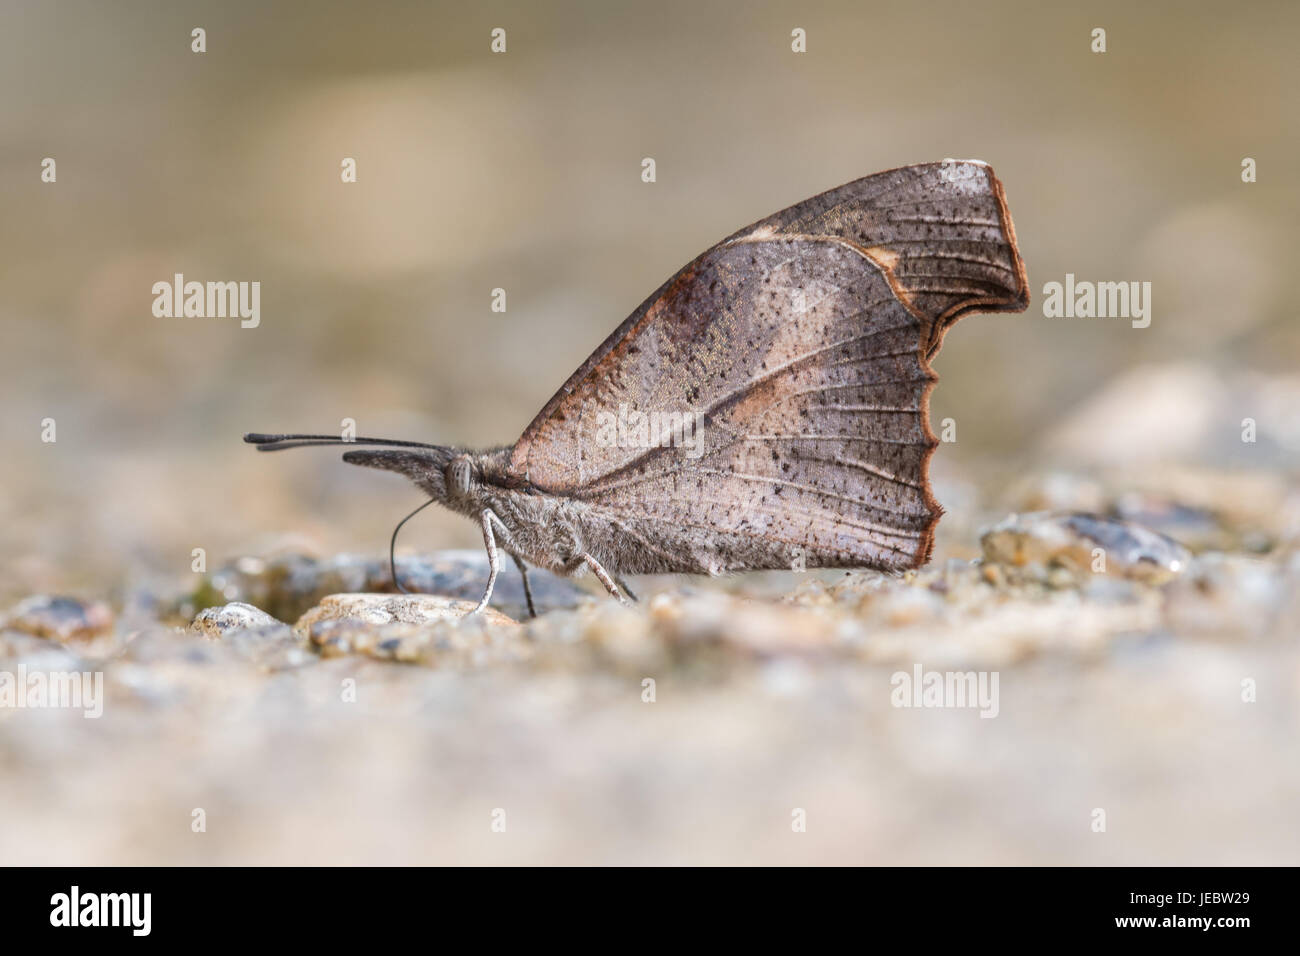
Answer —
(775, 391)
(943, 230)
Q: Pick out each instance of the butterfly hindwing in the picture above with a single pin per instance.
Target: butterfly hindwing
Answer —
(775, 390)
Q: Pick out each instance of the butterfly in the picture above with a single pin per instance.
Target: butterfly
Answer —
(765, 408)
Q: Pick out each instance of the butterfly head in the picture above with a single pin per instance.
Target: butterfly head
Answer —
(440, 472)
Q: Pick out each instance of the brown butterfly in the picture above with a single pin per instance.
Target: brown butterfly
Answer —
(766, 408)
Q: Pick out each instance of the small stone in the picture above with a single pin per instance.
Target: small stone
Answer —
(1065, 550)
(254, 635)
(376, 610)
(216, 622)
(341, 637)
(60, 618)
(1196, 526)
(413, 629)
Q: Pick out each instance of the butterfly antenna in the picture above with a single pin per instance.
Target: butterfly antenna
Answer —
(392, 545)
(281, 442)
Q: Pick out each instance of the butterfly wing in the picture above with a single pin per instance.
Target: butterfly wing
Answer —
(776, 389)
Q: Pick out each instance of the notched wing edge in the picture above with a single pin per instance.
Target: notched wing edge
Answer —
(888, 259)
(1019, 300)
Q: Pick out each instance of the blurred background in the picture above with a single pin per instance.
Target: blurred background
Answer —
(521, 171)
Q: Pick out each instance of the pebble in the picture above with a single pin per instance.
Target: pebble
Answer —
(216, 622)
(378, 609)
(1065, 550)
(60, 619)
(413, 628)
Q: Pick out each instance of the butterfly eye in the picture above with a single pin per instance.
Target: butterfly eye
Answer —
(458, 475)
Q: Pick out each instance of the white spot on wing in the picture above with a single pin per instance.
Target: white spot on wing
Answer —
(967, 176)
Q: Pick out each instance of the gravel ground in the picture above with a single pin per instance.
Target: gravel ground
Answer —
(287, 710)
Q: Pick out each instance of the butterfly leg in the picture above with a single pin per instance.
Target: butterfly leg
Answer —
(528, 590)
(626, 590)
(600, 572)
(494, 557)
